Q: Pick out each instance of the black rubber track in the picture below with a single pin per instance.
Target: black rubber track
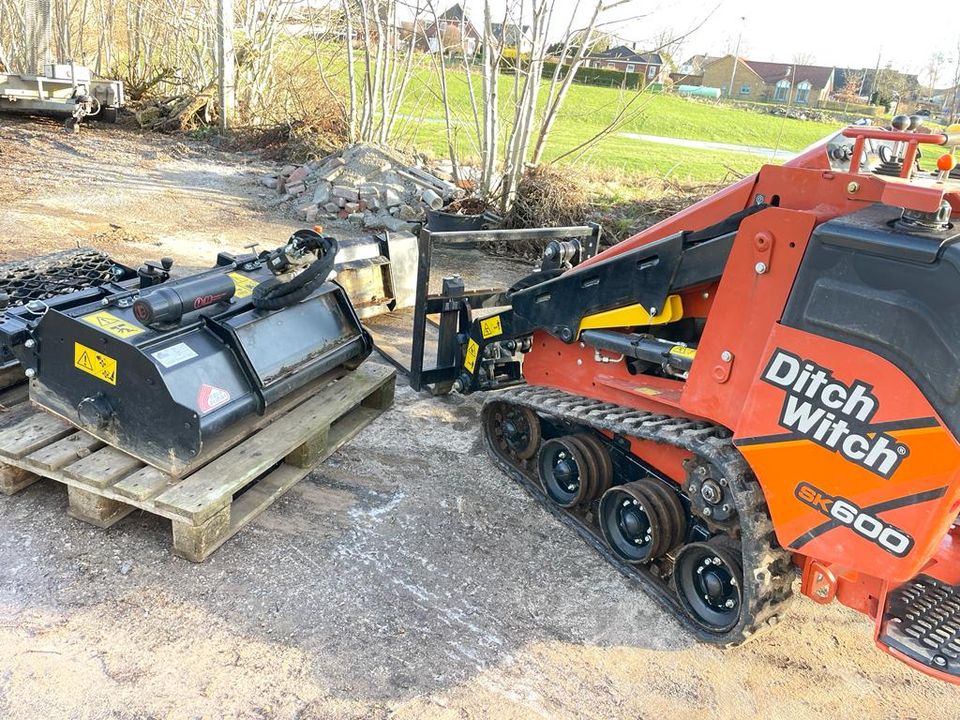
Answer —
(768, 572)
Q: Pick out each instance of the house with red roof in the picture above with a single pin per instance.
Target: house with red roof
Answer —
(787, 83)
(626, 58)
(453, 31)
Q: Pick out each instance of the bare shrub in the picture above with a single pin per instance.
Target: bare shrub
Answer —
(549, 196)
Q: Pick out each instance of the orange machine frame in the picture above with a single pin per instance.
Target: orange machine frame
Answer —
(725, 384)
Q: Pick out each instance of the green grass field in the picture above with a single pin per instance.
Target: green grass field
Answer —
(589, 109)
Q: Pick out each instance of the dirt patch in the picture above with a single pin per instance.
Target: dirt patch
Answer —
(162, 658)
(117, 240)
(137, 196)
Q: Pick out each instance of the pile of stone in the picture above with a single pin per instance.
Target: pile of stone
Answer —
(363, 185)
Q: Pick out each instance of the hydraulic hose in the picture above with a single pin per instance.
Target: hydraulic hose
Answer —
(275, 294)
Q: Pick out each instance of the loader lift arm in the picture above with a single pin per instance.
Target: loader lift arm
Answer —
(637, 284)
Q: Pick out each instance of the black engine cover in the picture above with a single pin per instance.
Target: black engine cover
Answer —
(867, 282)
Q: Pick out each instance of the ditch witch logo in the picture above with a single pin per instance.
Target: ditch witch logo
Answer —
(833, 414)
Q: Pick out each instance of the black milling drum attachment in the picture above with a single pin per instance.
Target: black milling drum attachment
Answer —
(161, 370)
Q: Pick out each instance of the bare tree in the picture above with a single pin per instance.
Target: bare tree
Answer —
(383, 70)
(953, 111)
(514, 136)
(506, 144)
(558, 91)
(852, 83)
(933, 68)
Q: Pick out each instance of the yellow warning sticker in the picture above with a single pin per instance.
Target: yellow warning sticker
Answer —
(491, 327)
(102, 367)
(243, 284)
(112, 324)
(470, 361)
(682, 351)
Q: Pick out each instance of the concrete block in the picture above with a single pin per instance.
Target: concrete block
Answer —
(331, 169)
(409, 213)
(347, 193)
(321, 193)
(391, 198)
(383, 221)
(298, 176)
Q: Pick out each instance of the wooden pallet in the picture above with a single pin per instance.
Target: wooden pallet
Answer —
(242, 475)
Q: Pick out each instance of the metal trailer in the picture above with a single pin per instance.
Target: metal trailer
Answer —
(64, 90)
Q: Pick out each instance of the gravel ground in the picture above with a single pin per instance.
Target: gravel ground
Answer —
(405, 578)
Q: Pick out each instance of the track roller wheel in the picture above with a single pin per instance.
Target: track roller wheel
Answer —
(601, 454)
(591, 468)
(641, 520)
(515, 430)
(567, 471)
(709, 581)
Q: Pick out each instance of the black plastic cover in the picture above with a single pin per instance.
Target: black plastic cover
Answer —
(865, 282)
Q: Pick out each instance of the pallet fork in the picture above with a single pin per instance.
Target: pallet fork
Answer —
(458, 307)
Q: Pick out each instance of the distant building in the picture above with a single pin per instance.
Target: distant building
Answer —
(887, 82)
(512, 36)
(691, 71)
(695, 64)
(453, 30)
(769, 81)
(627, 59)
(939, 102)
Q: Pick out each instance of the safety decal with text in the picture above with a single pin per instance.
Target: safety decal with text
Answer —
(832, 414)
(112, 324)
(470, 360)
(210, 397)
(175, 354)
(103, 367)
(491, 327)
(243, 284)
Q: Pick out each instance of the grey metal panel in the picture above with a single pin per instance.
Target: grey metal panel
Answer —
(403, 251)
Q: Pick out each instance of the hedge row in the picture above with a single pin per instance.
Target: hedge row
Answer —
(597, 76)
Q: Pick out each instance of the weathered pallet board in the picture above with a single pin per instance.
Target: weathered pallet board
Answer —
(258, 461)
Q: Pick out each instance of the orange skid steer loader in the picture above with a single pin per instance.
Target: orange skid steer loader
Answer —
(763, 386)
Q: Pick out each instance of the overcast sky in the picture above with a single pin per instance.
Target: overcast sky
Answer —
(832, 32)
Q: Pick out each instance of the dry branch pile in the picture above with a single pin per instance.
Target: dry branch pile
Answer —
(664, 199)
(179, 113)
(552, 197)
(549, 196)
